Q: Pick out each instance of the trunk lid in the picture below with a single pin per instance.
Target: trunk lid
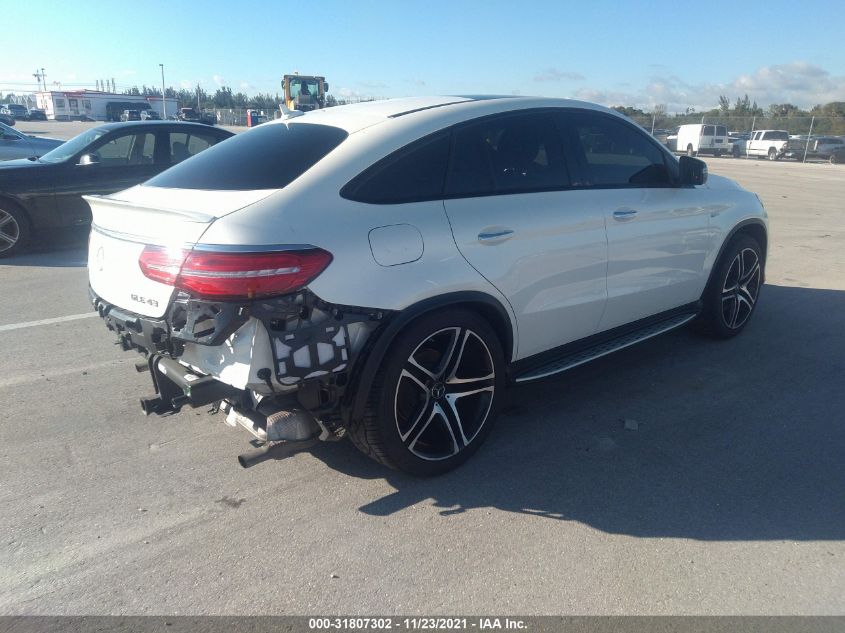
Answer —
(126, 222)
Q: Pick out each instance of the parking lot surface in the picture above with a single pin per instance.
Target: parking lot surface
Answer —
(726, 499)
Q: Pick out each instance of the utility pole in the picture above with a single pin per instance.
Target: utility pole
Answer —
(198, 99)
(163, 102)
(37, 76)
(44, 79)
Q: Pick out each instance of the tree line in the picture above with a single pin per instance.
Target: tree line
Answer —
(743, 114)
(223, 98)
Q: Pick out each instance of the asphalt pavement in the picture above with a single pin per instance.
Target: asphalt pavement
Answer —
(726, 496)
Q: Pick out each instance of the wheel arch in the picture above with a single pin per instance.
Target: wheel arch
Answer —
(753, 227)
(6, 198)
(485, 305)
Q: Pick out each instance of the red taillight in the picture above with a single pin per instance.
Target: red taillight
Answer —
(234, 275)
(162, 264)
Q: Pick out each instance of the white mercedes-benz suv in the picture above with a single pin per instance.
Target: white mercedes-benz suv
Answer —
(384, 270)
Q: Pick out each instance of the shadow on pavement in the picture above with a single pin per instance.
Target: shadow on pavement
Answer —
(736, 440)
(66, 248)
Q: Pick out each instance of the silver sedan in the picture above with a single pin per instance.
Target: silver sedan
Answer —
(13, 144)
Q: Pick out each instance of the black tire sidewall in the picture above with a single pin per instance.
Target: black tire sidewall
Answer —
(712, 317)
(23, 227)
(401, 349)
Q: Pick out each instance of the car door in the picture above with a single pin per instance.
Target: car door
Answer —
(658, 233)
(516, 221)
(755, 144)
(119, 160)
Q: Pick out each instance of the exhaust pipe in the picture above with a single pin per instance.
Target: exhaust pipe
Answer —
(152, 405)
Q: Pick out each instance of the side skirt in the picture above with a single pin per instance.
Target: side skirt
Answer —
(579, 352)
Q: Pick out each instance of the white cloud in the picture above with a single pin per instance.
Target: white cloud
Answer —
(799, 83)
(220, 81)
(554, 74)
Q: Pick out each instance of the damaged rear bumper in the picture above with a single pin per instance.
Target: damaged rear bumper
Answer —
(201, 352)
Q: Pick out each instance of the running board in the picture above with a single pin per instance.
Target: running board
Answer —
(570, 359)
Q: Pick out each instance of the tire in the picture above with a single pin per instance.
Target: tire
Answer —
(718, 153)
(735, 152)
(773, 154)
(415, 419)
(834, 159)
(690, 151)
(14, 229)
(733, 291)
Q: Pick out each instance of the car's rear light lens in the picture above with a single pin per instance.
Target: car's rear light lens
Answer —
(162, 264)
(222, 275)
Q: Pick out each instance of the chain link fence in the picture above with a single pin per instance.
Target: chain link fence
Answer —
(799, 125)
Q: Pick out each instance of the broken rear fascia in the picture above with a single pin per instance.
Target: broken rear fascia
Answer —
(309, 346)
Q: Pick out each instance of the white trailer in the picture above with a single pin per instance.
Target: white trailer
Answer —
(70, 105)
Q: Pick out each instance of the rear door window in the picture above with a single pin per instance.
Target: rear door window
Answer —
(614, 153)
(515, 153)
(708, 130)
(721, 130)
(270, 156)
(186, 144)
(127, 149)
(414, 173)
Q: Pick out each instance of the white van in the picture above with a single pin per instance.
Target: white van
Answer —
(701, 138)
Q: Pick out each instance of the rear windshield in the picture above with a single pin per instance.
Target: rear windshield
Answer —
(269, 156)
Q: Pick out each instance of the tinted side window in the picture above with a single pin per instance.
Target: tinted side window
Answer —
(614, 153)
(128, 149)
(507, 154)
(178, 147)
(184, 145)
(415, 172)
(266, 157)
(198, 143)
(721, 130)
(708, 130)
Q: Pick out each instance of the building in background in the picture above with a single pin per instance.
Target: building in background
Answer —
(73, 105)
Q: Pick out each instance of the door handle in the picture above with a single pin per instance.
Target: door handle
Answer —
(624, 214)
(497, 235)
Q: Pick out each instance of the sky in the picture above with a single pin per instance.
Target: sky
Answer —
(679, 54)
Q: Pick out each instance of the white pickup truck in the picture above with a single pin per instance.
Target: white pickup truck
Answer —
(769, 144)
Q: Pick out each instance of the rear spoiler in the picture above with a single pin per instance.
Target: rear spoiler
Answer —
(125, 206)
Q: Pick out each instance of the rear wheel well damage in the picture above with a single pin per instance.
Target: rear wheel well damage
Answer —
(377, 348)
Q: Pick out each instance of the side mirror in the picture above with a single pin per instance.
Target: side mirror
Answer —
(693, 171)
(89, 159)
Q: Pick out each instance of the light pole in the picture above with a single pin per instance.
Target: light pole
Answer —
(163, 102)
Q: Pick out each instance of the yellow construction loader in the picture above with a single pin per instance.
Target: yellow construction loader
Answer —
(305, 92)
